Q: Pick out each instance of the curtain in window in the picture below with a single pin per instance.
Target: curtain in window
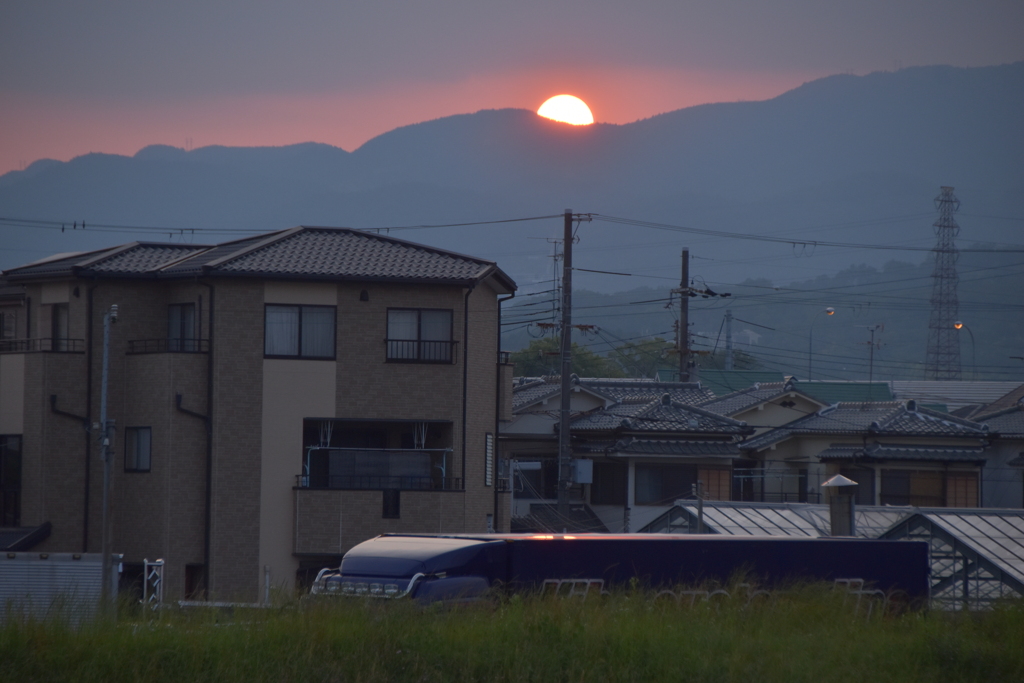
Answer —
(318, 331)
(435, 333)
(282, 331)
(403, 325)
(137, 444)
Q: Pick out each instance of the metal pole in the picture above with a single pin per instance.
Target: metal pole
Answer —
(684, 322)
(728, 339)
(564, 445)
(699, 486)
(106, 427)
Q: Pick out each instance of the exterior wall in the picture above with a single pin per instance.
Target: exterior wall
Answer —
(292, 390)
(332, 522)
(370, 388)
(12, 393)
(235, 572)
(257, 413)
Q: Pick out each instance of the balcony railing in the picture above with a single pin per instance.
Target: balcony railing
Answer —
(169, 346)
(44, 345)
(378, 468)
(376, 483)
(420, 351)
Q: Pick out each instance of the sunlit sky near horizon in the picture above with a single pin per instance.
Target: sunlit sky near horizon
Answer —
(116, 75)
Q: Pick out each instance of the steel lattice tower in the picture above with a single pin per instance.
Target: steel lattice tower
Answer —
(943, 361)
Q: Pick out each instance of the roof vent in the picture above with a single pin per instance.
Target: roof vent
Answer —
(912, 405)
(666, 400)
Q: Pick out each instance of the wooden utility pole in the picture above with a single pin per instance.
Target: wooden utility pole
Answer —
(564, 445)
(684, 323)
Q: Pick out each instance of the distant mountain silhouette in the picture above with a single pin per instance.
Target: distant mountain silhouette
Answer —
(849, 151)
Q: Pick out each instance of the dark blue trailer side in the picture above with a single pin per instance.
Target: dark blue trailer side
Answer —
(431, 568)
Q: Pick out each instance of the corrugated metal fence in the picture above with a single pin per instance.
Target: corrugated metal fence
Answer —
(52, 585)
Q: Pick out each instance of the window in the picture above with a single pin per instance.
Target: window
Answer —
(962, 489)
(299, 332)
(137, 449)
(718, 483)
(181, 328)
(59, 329)
(419, 335)
(921, 488)
(8, 325)
(10, 480)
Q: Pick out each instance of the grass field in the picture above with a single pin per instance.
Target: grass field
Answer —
(810, 635)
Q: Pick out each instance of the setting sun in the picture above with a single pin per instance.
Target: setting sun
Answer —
(567, 109)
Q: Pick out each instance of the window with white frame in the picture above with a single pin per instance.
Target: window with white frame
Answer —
(299, 331)
(138, 442)
(419, 335)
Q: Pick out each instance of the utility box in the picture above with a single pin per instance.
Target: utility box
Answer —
(582, 471)
(64, 586)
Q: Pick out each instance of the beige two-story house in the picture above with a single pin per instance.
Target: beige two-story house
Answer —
(276, 399)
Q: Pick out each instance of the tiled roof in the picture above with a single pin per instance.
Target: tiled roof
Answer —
(533, 391)
(660, 415)
(622, 390)
(730, 404)
(338, 253)
(722, 382)
(135, 259)
(878, 451)
(302, 253)
(888, 418)
(655, 447)
(142, 259)
(530, 390)
(1007, 422)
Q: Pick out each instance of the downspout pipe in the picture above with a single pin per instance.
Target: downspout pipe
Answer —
(497, 416)
(208, 517)
(88, 417)
(465, 375)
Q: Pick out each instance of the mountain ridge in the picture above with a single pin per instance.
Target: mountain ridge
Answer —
(774, 166)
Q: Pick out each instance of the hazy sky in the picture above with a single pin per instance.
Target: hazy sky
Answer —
(116, 75)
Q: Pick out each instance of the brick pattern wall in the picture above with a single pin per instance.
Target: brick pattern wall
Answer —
(237, 410)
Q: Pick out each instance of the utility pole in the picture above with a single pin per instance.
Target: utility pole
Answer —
(564, 444)
(684, 323)
(871, 358)
(728, 339)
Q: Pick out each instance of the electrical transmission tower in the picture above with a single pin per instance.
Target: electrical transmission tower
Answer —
(943, 361)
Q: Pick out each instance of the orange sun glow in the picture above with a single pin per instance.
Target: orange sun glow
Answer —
(567, 109)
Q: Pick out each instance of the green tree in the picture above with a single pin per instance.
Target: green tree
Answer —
(644, 358)
(543, 357)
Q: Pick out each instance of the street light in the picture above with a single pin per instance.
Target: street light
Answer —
(810, 338)
(974, 364)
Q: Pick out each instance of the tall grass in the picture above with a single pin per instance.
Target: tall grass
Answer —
(810, 635)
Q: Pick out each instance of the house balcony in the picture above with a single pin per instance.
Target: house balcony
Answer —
(43, 345)
(377, 469)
